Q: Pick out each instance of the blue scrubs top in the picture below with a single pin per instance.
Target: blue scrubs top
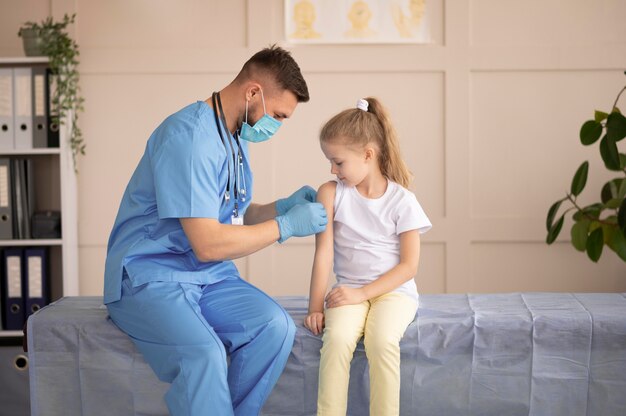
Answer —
(183, 173)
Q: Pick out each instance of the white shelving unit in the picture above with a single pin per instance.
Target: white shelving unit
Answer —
(55, 189)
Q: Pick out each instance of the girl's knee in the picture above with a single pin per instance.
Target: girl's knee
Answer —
(381, 344)
(335, 339)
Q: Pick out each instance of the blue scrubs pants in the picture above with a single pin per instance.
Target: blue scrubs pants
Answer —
(184, 332)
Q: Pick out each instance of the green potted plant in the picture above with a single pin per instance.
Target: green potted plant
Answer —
(50, 38)
(604, 222)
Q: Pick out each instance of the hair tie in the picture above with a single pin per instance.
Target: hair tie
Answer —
(362, 104)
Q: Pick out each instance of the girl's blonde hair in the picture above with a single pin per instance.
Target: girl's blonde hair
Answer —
(359, 127)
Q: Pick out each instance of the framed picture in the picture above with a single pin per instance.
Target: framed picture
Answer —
(357, 21)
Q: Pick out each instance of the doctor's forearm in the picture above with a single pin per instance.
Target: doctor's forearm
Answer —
(257, 213)
(246, 240)
(212, 241)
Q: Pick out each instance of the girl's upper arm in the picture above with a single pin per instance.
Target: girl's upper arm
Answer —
(326, 196)
(410, 248)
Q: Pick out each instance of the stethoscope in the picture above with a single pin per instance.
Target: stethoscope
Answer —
(237, 158)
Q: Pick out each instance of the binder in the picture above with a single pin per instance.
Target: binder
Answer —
(39, 99)
(19, 199)
(52, 117)
(30, 196)
(6, 108)
(6, 197)
(12, 298)
(23, 107)
(35, 280)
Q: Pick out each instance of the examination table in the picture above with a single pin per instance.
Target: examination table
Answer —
(539, 354)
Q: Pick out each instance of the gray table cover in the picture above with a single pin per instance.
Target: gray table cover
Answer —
(493, 354)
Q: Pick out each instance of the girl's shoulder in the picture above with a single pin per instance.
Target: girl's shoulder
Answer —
(327, 191)
(328, 187)
(400, 191)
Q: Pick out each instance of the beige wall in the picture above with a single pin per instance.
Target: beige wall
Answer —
(488, 117)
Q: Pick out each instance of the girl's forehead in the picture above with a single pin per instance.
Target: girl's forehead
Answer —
(335, 149)
(339, 147)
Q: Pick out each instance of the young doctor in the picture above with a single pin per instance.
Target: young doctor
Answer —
(186, 213)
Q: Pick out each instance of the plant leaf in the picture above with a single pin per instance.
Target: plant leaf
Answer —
(610, 190)
(580, 178)
(594, 226)
(554, 231)
(592, 210)
(580, 231)
(613, 203)
(609, 153)
(616, 126)
(621, 191)
(590, 132)
(595, 243)
(600, 116)
(552, 213)
(618, 244)
(607, 233)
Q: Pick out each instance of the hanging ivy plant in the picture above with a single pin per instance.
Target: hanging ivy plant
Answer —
(62, 52)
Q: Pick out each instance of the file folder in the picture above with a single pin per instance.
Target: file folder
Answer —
(30, 197)
(6, 197)
(12, 298)
(35, 280)
(6, 109)
(39, 98)
(23, 107)
(19, 198)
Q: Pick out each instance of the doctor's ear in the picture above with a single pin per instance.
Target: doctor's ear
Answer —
(253, 90)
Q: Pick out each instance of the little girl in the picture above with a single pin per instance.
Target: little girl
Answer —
(374, 244)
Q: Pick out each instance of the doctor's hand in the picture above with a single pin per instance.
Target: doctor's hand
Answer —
(303, 195)
(343, 295)
(302, 220)
(314, 322)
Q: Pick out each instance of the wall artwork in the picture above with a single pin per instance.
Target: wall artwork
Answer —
(357, 21)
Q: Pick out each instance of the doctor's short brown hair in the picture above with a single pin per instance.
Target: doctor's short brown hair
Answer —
(279, 63)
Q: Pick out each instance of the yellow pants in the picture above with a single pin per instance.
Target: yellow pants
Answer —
(382, 321)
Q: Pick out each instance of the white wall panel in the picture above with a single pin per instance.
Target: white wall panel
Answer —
(283, 269)
(520, 267)
(547, 22)
(157, 24)
(431, 276)
(91, 269)
(525, 145)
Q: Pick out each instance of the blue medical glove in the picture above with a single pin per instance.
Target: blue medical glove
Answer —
(303, 195)
(302, 220)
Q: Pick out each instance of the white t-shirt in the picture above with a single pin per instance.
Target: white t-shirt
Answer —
(367, 233)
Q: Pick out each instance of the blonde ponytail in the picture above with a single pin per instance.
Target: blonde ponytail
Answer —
(392, 165)
(361, 127)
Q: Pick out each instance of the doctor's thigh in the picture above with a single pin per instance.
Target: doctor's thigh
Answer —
(185, 330)
(175, 340)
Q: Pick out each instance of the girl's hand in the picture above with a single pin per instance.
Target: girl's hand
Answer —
(314, 322)
(342, 295)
